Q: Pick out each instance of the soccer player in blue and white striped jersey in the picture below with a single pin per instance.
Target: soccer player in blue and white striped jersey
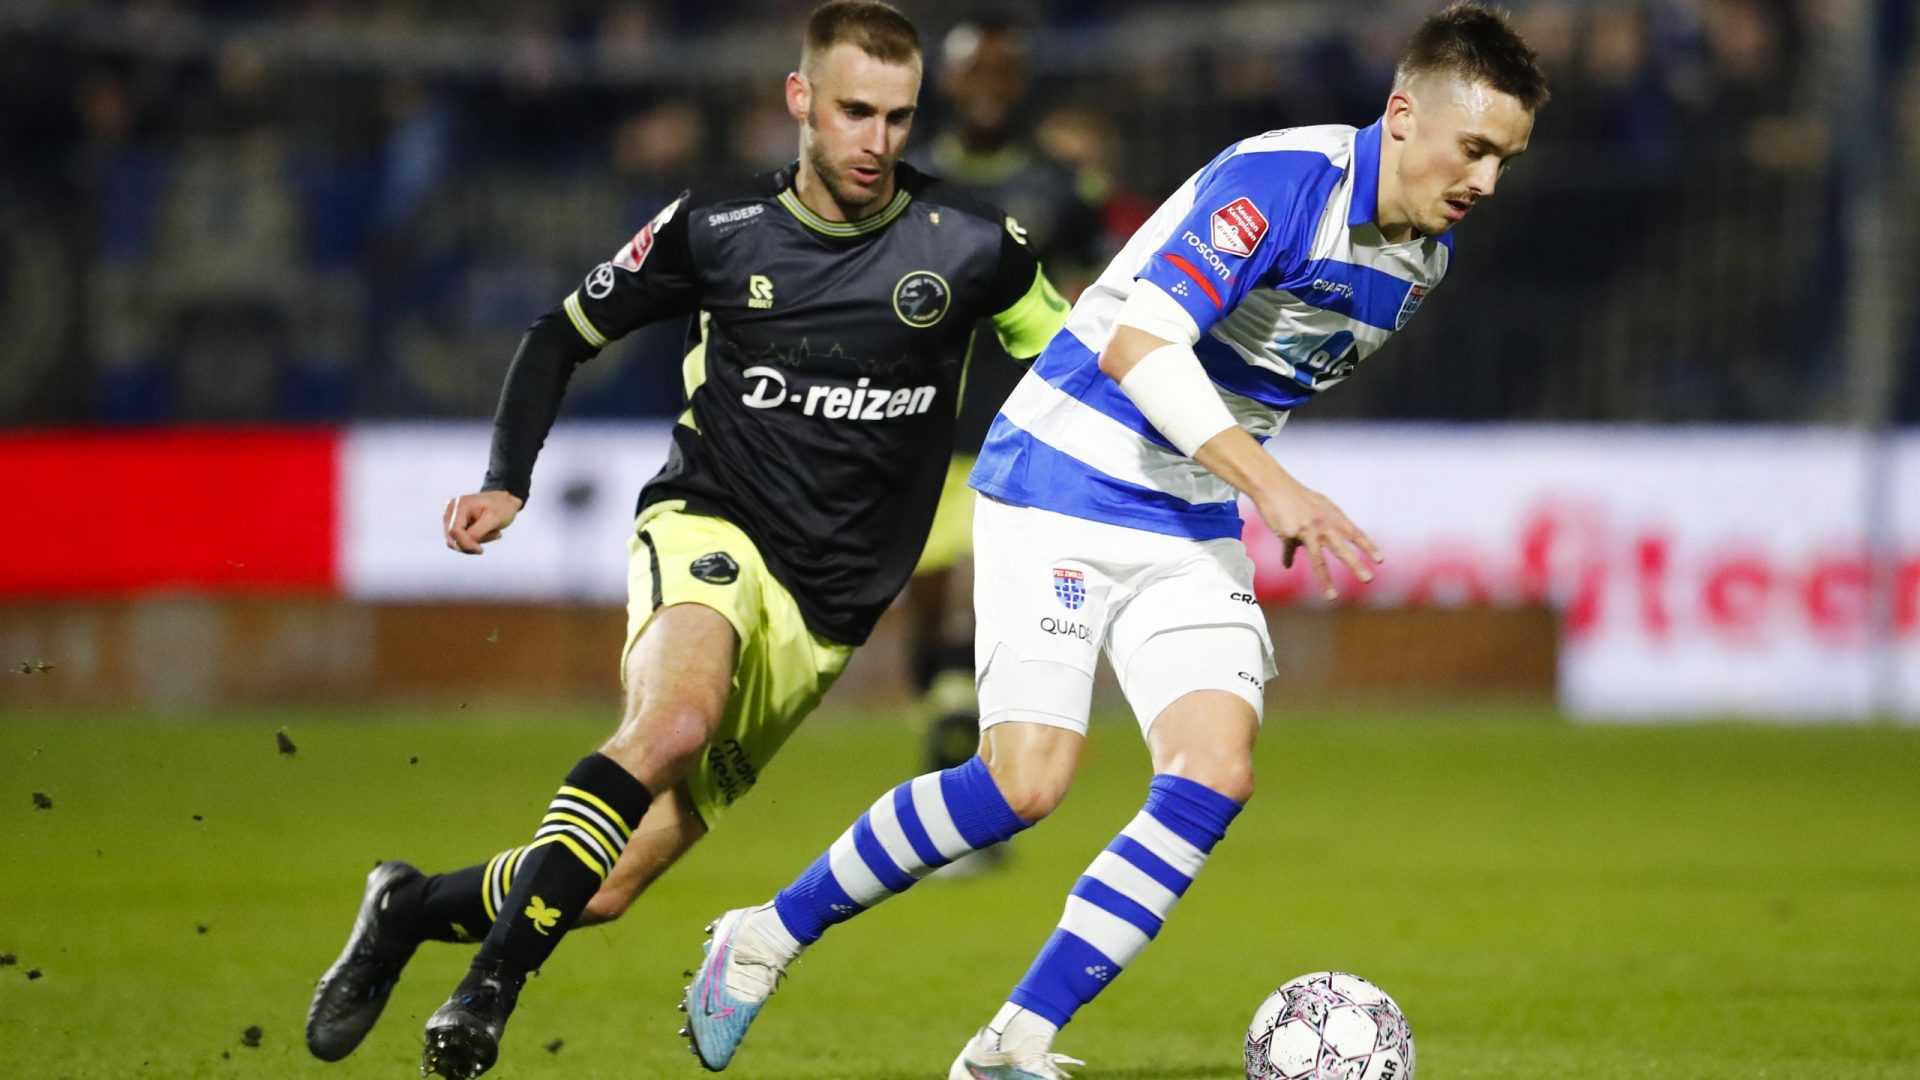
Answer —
(1108, 519)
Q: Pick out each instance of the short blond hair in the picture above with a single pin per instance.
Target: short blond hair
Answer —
(877, 29)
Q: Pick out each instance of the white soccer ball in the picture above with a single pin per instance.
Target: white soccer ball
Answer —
(1329, 1026)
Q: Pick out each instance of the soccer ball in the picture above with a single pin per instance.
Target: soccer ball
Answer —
(1329, 1026)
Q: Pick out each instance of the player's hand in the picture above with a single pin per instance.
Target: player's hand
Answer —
(1303, 518)
(472, 520)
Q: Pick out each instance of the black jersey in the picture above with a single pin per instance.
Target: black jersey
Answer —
(1064, 230)
(822, 380)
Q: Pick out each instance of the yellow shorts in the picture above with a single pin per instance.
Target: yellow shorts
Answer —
(951, 538)
(782, 670)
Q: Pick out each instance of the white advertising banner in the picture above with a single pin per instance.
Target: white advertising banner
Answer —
(1902, 495)
(568, 545)
(1698, 571)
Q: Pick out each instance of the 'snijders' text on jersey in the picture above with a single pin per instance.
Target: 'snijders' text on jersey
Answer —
(1272, 248)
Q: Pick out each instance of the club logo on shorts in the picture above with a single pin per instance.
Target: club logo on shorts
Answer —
(1411, 304)
(1071, 587)
(1238, 227)
(716, 568)
(921, 298)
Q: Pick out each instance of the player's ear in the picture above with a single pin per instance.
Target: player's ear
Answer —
(1400, 115)
(799, 96)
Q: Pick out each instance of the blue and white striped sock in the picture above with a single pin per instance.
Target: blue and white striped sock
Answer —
(1119, 904)
(913, 830)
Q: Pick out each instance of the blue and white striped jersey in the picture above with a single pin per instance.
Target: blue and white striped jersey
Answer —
(1273, 250)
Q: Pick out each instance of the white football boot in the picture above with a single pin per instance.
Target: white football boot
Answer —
(740, 972)
(981, 1059)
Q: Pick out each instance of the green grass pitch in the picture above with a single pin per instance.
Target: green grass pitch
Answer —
(1545, 900)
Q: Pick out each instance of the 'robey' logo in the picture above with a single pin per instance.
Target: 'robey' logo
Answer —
(860, 401)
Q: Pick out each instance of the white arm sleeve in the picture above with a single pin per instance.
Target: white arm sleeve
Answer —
(1174, 394)
(1150, 309)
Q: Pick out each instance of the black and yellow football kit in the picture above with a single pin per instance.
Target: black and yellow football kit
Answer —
(825, 362)
(822, 382)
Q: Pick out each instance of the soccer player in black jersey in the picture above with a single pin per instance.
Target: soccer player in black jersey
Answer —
(831, 304)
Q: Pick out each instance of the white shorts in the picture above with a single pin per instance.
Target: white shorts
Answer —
(1051, 592)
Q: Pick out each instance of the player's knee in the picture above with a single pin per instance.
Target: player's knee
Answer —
(1230, 775)
(1234, 779)
(661, 742)
(1032, 789)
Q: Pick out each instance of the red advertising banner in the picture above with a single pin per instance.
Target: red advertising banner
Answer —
(110, 513)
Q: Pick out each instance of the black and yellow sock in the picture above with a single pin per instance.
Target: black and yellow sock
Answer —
(458, 905)
(579, 841)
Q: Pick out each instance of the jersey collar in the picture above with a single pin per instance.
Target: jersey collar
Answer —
(790, 199)
(1364, 206)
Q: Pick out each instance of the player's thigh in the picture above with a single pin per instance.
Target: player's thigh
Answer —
(1040, 611)
(1193, 626)
(668, 830)
(692, 598)
(783, 671)
(675, 558)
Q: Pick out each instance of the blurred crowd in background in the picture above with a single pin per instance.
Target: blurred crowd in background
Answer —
(319, 210)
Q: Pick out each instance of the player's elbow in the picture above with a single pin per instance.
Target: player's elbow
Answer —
(1124, 350)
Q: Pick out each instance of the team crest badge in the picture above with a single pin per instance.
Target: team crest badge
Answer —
(1070, 586)
(1238, 227)
(1411, 304)
(715, 568)
(921, 298)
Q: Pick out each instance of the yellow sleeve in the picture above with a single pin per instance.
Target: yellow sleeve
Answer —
(1026, 327)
